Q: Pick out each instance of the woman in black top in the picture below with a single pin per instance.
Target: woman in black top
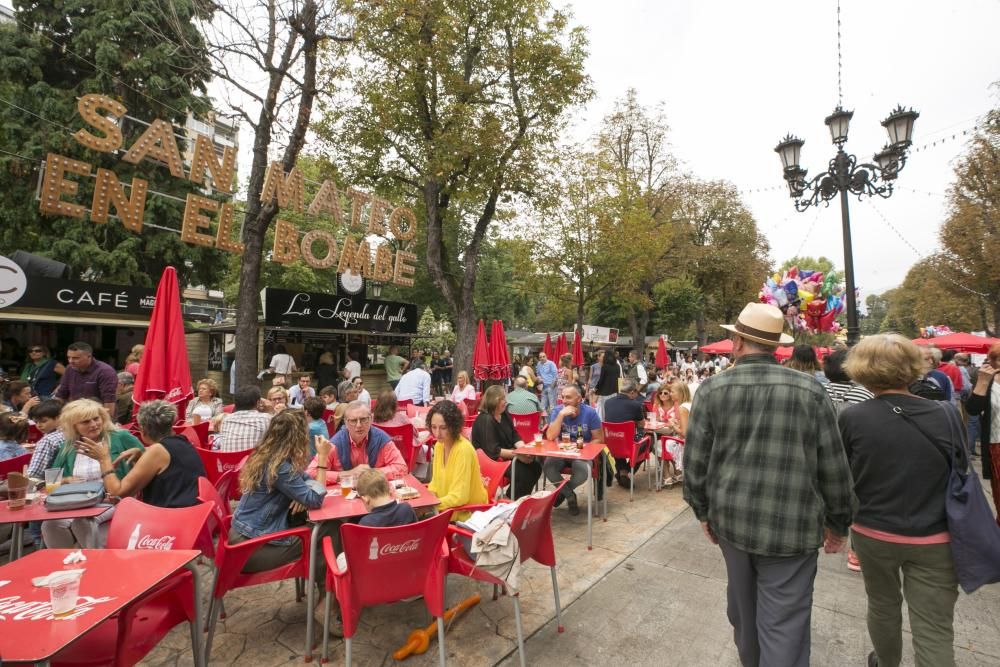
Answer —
(166, 472)
(494, 433)
(899, 449)
(981, 401)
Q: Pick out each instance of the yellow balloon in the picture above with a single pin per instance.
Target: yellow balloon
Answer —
(806, 296)
(776, 278)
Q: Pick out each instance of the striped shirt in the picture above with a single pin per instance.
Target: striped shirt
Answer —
(847, 392)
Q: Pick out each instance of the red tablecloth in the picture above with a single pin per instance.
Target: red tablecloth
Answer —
(112, 579)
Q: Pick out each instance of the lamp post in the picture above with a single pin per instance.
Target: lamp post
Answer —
(845, 176)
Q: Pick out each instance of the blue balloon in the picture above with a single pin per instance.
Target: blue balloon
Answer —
(792, 290)
(805, 274)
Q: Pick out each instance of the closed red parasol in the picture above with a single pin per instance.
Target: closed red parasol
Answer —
(662, 361)
(547, 347)
(481, 355)
(164, 371)
(500, 368)
(562, 347)
(577, 348)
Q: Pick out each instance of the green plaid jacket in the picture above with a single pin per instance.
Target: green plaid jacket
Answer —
(763, 459)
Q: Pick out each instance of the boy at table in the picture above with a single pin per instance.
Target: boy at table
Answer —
(361, 446)
(383, 509)
(579, 420)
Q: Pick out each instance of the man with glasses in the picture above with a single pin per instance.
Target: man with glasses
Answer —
(360, 446)
(298, 394)
(86, 377)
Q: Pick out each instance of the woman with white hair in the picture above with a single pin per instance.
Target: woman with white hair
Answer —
(84, 421)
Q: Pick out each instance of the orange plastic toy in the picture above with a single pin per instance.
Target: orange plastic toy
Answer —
(419, 640)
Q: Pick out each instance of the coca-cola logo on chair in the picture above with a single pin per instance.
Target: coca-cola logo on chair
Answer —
(390, 549)
(162, 543)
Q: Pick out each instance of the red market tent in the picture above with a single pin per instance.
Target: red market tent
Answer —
(720, 347)
(785, 352)
(577, 348)
(662, 360)
(962, 342)
(164, 372)
(481, 355)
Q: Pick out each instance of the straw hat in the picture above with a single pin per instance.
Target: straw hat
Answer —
(762, 323)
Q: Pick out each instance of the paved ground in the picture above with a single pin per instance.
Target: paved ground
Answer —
(651, 592)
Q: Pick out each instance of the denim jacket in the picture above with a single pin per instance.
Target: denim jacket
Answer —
(265, 511)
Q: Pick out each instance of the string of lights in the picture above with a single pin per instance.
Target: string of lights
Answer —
(922, 256)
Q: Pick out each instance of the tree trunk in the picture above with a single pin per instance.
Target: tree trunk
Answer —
(465, 335)
(579, 310)
(996, 319)
(699, 328)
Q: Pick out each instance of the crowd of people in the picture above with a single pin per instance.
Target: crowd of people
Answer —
(856, 449)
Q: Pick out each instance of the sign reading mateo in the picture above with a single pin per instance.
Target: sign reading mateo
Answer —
(309, 310)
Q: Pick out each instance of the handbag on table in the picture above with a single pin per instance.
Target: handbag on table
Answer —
(75, 496)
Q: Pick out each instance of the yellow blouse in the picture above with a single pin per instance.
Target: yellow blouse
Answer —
(458, 482)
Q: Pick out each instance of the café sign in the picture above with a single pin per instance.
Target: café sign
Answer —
(309, 310)
(75, 295)
(369, 215)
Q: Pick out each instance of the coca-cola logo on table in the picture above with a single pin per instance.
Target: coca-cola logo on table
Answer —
(41, 610)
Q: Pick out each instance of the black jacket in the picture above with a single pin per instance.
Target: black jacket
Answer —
(900, 477)
(980, 405)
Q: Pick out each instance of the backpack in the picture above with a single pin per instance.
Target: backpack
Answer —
(925, 387)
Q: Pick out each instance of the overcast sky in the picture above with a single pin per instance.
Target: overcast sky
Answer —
(735, 76)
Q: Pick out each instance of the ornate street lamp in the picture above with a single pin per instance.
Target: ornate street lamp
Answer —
(844, 175)
(376, 288)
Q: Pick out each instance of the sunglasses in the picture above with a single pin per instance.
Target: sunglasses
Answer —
(35, 349)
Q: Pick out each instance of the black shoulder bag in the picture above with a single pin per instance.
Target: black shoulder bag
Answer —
(975, 533)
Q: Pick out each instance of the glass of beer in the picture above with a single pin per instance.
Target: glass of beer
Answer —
(346, 484)
(538, 438)
(565, 438)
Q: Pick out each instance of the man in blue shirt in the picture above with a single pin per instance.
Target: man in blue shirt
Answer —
(579, 420)
(547, 373)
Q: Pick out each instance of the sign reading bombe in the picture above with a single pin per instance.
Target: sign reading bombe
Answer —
(317, 248)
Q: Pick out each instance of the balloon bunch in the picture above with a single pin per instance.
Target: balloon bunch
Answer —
(933, 331)
(809, 301)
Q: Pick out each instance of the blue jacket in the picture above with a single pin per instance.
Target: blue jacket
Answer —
(265, 510)
(377, 439)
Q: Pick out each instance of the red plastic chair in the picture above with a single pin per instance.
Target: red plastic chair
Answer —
(472, 405)
(197, 434)
(402, 436)
(387, 565)
(665, 456)
(532, 526)
(15, 464)
(228, 409)
(34, 435)
(620, 440)
(527, 425)
(374, 401)
(402, 405)
(494, 474)
(470, 420)
(218, 463)
(230, 559)
(139, 627)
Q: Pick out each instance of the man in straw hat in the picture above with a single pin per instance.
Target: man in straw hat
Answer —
(766, 474)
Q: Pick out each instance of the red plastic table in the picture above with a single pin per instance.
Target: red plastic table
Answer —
(36, 512)
(590, 451)
(337, 506)
(113, 579)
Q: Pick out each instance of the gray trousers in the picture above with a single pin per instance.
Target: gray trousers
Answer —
(770, 606)
(579, 473)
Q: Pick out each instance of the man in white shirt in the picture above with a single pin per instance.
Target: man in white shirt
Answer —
(298, 394)
(352, 369)
(415, 385)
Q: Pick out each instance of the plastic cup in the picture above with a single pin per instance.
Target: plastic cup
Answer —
(17, 498)
(346, 485)
(53, 478)
(195, 418)
(64, 590)
(651, 416)
(565, 438)
(538, 438)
